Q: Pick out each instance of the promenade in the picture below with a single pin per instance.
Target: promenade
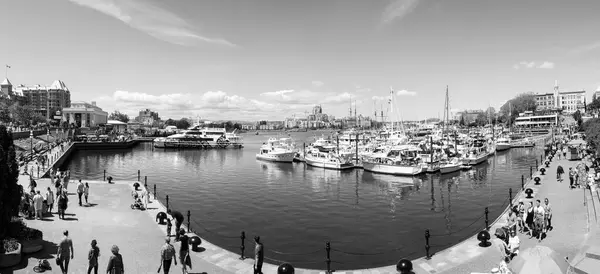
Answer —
(110, 220)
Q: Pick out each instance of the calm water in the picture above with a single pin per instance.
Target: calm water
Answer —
(296, 209)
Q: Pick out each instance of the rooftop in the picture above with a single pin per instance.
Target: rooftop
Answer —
(6, 82)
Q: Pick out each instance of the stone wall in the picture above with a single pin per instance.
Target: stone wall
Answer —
(25, 134)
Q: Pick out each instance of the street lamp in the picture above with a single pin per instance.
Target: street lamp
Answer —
(48, 137)
(31, 140)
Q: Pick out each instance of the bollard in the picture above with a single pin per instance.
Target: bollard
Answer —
(155, 192)
(243, 237)
(328, 249)
(189, 213)
(146, 182)
(427, 235)
(510, 197)
(522, 182)
(487, 222)
(104, 178)
(139, 174)
(167, 197)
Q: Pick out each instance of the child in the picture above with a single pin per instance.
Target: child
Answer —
(169, 226)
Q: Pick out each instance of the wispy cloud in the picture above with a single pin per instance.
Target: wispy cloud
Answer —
(306, 97)
(585, 48)
(546, 65)
(318, 83)
(398, 9)
(380, 98)
(153, 20)
(529, 65)
(405, 93)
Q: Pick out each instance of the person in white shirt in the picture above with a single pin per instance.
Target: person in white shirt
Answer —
(513, 244)
(38, 202)
(539, 213)
(49, 199)
(80, 188)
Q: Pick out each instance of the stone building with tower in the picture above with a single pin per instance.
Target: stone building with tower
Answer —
(46, 100)
(8, 94)
(567, 102)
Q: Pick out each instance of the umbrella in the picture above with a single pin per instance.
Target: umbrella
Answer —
(577, 142)
(539, 259)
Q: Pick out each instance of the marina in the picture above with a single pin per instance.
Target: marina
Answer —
(298, 199)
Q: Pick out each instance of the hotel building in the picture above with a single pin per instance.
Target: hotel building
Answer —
(46, 99)
(147, 117)
(567, 101)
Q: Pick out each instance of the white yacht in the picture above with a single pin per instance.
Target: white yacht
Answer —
(276, 151)
(324, 158)
(477, 153)
(199, 137)
(503, 144)
(399, 160)
(449, 166)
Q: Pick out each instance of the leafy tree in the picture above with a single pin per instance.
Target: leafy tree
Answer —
(482, 119)
(182, 124)
(5, 116)
(10, 193)
(170, 122)
(523, 102)
(578, 118)
(594, 106)
(592, 133)
(117, 115)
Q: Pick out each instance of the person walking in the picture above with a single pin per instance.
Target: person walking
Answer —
(50, 200)
(115, 263)
(65, 252)
(63, 201)
(258, 255)
(80, 187)
(167, 253)
(184, 252)
(178, 221)
(66, 180)
(38, 204)
(86, 192)
(571, 177)
(547, 215)
(93, 258)
(529, 220)
(559, 172)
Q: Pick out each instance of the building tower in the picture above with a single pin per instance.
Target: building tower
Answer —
(556, 95)
(6, 88)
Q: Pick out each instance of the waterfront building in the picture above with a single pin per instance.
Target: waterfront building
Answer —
(469, 116)
(147, 117)
(528, 119)
(82, 114)
(597, 94)
(7, 93)
(116, 126)
(248, 127)
(567, 101)
(46, 99)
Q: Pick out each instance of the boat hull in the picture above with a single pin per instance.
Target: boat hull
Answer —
(194, 145)
(277, 157)
(471, 161)
(327, 165)
(393, 169)
(449, 168)
(502, 147)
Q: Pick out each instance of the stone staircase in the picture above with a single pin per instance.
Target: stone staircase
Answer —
(587, 261)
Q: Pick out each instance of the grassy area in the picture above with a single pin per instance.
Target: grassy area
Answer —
(23, 145)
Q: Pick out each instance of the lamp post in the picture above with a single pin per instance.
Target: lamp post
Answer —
(48, 137)
(31, 141)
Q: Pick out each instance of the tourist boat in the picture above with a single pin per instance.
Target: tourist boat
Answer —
(199, 137)
(400, 160)
(477, 153)
(274, 151)
(503, 144)
(325, 158)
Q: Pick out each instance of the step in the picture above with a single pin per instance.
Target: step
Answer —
(587, 266)
(593, 253)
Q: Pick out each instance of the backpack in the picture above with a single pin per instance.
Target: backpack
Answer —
(169, 253)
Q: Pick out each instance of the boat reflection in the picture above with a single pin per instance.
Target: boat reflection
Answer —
(275, 171)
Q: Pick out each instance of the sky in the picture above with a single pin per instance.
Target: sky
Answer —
(270, 59)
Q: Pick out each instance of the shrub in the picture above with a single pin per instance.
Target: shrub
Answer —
(9, 245)
(17, 229)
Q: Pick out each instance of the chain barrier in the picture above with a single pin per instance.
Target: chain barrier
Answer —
(295, 254)
(217, 234)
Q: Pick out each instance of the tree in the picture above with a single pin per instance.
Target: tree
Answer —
(592, 133)
(182, 124)
(5, 116)
(482, 119)
(523, 102)
(170, 122)
(10, 193)
(491, 113)
(578, 118)
(117, 115)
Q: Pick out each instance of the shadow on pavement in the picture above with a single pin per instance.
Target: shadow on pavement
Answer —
(48, 253)
(70, 219)
(199, 249)
(90, 205)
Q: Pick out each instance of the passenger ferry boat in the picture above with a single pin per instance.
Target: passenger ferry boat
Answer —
(401, 160)
(325, 158)
(199, 137)
(276, 151)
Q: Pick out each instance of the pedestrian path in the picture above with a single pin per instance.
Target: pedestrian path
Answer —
(54, 155)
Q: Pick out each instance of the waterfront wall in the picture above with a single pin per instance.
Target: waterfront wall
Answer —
(25, 134)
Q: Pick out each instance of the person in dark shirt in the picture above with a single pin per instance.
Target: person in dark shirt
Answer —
(258, 255)
(184, 251)
(178, 221)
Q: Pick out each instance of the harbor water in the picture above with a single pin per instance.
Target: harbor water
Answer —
(370, 220)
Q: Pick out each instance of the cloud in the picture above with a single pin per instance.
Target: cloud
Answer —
(529, 65)
(398, 9)
(318, 83)
(405, 93)
(304, 98)
(153, 20)
(546, 65)
(585, 48)
(380, 98)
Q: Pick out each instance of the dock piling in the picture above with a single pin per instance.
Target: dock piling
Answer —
(138, 175)
(155, 192)
(487, 222)
(146, 182)
(243, 246)
(189, 215)
(522, 182)
(510, 197)
(167, 197)
(328, 249)
(104, 177)
(427, 235)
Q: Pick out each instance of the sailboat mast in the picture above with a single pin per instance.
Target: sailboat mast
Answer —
(392, 105)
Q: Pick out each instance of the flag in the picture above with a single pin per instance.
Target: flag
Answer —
(7, 66)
